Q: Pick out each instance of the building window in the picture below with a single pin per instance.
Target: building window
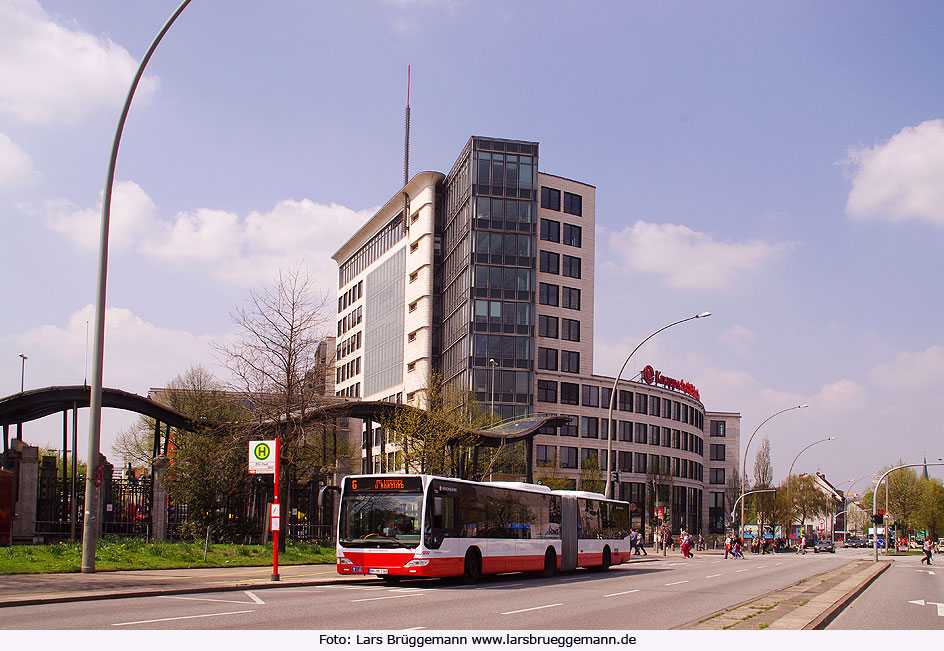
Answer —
(547, 391)
(639, 462)
(570, 298)
(414, 276)
(572, 235)
(413, 306)
(571, 267)
(568, 457)
(547, 359)
(547, 326)
(550, 198)
(550, 262)
(591, 396)
(570, 361)
(589, 427)
(642, 431)
(550, 230)
(717, 428)
(625, 431)
(716, 476)
(642, 401)
(625, 400)
(573, 204)
(570, 427)
(570, 329)
(654, 405)
(717, 452)
(545, 455)
(548, 294)
(569, 393)
(625, 460)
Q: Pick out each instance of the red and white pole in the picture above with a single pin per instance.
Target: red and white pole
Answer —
(275, 518)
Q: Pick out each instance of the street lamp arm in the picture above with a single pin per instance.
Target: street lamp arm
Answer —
(878, 483)
(790, 472)
(742, 495)
(608, 490)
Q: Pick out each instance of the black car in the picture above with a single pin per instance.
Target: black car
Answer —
(823, 546)
(853, 542)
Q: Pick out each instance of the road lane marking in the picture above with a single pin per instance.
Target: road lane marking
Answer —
(171, 619)
(525, 610)
(254, 597)
(616, 594)
(395, 596)
(713, 576)
(746, 569)
(677, 583)
(222, 601)
(413, 628)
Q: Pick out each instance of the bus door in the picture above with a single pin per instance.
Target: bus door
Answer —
(569, 522)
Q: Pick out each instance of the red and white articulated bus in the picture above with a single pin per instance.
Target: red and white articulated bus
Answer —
(398, 526)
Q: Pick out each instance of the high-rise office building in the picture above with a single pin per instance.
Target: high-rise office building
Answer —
(486, 275)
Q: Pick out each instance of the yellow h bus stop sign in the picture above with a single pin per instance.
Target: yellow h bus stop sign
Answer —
(261, 457)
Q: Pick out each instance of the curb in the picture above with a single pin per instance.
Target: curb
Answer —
(832, 612)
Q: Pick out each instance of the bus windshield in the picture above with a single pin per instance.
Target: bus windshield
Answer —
(380, 519)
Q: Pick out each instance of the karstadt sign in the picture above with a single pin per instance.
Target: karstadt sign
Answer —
(652, 376)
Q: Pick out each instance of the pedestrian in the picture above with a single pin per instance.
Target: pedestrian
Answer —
(737, 547)
(727, 546)
(701, 543)
(926, 548)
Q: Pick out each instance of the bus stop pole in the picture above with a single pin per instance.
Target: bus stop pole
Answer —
(275, 519)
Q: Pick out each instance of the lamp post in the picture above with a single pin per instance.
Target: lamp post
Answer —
(90, 529)
(493, 364)
(875, 498)
(744, 462)
(608, 491)
(790, 473)
(23, 359)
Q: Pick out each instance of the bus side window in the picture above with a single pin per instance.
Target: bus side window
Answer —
(441, 520)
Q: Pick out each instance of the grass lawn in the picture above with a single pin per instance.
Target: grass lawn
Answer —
(136, 554)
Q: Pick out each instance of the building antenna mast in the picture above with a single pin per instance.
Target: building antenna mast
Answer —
(406, 158)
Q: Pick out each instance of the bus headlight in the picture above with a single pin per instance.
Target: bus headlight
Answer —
(344, 561)
(418, 562)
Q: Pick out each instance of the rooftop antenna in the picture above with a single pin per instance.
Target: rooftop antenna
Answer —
(406, 158)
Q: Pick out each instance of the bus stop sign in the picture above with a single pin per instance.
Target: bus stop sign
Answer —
(261, 457)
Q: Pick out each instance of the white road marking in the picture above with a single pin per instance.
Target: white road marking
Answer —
(746, 569)
(171, 619)
(252, 596)
(677, 583)
(413, 628)
(396, 596)
(922, 602)
(713, 576)
(524, 610)
(616, 594)
(222, 601)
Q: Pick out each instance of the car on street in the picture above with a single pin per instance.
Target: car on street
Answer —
(854, 543)
(823, 546)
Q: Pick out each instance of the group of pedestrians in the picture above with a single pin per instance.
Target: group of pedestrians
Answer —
(635, 543)
(733, 546)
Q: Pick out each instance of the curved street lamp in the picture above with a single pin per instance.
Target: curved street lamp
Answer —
(90, 526)
(744, 462)
(875, 497)
(610, 430)
(790, 472)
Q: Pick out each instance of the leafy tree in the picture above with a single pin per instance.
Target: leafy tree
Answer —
(552, 476)
(590, 474)
(930, 515)
(803, 500)
(435, 437)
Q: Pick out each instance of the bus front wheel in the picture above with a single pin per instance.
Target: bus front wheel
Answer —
(472, 569)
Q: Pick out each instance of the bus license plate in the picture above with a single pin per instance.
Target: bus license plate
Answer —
(375, 570)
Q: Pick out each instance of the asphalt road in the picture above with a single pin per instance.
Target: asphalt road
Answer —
(909, 596)
(657, 595)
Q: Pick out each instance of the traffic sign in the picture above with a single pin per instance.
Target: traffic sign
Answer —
(261, 457)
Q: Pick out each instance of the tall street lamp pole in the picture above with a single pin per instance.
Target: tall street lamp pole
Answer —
(90, 528)
(790, 473)
(744, 462)
(875, 498)
(608, 491)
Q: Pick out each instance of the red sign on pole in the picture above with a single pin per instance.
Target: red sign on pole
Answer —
(274, 514)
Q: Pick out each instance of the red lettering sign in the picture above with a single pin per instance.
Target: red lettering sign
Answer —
(652, 376)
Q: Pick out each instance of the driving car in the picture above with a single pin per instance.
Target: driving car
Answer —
(823, 546)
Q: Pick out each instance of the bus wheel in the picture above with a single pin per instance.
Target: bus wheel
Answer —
(473, 567)
(606, 560)
(550, 564)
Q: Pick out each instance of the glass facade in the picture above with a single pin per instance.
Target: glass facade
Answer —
(489, 259)
(383, 336)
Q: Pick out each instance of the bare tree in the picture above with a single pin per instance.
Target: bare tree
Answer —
(278, 360)
(764, 503)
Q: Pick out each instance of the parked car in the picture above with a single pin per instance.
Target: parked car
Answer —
(854, 543)
(823, 546)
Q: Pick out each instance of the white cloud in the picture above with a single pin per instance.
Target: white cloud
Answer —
(739, 339)
(922, 371)
(239, 250)
(841, 396)
(53, 73)
(900, 179)
(137, 353)
(688, 259)
(133, 215)
(16, 168)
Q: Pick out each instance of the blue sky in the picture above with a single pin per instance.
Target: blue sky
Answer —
(778, 164)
